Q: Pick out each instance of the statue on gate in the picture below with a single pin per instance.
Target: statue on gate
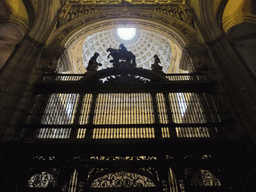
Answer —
(155, 66)
(122, 54)
(122, 47)
(93, 64)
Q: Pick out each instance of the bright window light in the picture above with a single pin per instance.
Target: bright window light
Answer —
(126, 33)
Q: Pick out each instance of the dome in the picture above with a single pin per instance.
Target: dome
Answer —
(144, 45)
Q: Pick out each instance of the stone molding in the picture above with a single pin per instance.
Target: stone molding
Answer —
(238, 18)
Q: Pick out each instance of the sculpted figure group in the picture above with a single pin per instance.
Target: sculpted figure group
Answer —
(120, 58)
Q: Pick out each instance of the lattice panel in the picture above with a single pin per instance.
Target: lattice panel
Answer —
(63, 77)
(60, 109)
(192, 132)
(53, 133)
(187, 108)
(161, 106)
(184, 77)
(123, 133)
(69, 78)
(124, 108)
(86, 106)
(165, 132)
(81, 133)
(179, 77)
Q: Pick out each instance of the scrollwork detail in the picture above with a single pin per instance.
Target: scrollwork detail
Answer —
(122, 179)
(203, 178)
(42, 180)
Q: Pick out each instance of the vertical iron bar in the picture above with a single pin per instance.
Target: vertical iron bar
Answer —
(168, 107)
(78, 116)
(157, 127)
(91, 116)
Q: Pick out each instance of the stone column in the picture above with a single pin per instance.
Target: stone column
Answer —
(237, 83)
(16, 78)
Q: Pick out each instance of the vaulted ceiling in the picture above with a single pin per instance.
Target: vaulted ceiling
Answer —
(17, 19)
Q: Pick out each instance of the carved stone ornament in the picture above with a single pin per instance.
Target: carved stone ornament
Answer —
(182, 13)
(78, 17)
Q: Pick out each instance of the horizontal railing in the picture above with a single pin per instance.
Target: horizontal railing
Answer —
(121, 132)
(78, 77)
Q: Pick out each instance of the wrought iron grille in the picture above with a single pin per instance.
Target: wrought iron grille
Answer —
(122, 179)
(78, 77)
(165, 132)
(86, 106)
(204, 178)
(123, 133)
(147, 173)
(60, 109)
(53, 133)
(192, 132)
(42, 180)
(123, 108)
(116, 113)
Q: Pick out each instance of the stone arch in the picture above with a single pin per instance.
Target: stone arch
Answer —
(238, 12)
(239, 21)
(14, 23)
(67, 34)
(45, 20)
(208, 19)
(124, 15)
(77, 30)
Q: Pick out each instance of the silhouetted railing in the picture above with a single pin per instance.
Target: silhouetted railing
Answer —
(83, 111)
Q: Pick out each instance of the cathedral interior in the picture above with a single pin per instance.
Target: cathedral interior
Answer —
(127, 95)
